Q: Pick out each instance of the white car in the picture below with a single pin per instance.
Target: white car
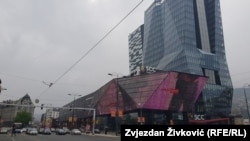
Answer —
(24, 130)
(75, 132)
(4, 130)
(33, 131)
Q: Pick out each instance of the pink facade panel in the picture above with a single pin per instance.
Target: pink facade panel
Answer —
(178, 92)
(171, 91)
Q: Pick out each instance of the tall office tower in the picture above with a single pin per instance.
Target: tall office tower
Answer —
(135, 50)
(187, 36)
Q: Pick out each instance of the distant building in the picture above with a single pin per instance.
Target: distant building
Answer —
(9, 112)
(239, 104)
(49, 117)
(52, 113)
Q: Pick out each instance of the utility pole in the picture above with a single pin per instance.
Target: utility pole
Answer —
(73, 109)
(117, 102)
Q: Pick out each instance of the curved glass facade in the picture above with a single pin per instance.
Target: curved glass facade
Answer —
(187, 36)
(152, 95)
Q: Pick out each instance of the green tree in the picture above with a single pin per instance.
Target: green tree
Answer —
(23, 117)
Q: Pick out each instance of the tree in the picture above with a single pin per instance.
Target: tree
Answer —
(23, 117)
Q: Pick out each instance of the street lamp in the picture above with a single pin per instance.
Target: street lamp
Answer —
(73, 109)
(246, 103)
(140, 106)
(140, 118)
(116, 112)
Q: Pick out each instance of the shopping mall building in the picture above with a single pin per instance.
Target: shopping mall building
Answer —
(150, 98)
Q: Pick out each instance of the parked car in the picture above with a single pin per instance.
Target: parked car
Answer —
(4, 130)
(47, 131)
(75, 132)
(82, 130)
(98, 131)
(66, 130)
(33, 131)
(27, 130)
(24, 130)
(18, 130)
(41, 130)
(60, 131)
(246, 122)
(52, 130)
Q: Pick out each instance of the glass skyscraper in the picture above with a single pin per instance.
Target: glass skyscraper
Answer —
(187, 36)
(135, 49)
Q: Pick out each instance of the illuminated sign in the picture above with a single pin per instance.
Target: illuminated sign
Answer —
(199, 117)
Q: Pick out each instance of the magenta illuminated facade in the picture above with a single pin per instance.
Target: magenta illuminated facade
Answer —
(171, 91)
(157, 97)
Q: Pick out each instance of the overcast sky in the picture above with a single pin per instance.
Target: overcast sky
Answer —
(50, 41)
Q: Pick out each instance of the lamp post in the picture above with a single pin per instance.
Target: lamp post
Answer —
(140, 106)
(116, 112)
(73, 109)
(247, 103)
(140, 118)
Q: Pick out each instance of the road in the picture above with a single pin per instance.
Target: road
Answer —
(53, 137)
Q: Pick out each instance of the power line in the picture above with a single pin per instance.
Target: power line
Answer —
(94, 46)
(21, 77)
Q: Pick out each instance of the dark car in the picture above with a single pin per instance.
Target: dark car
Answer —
(18, 131)
(60, 132)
